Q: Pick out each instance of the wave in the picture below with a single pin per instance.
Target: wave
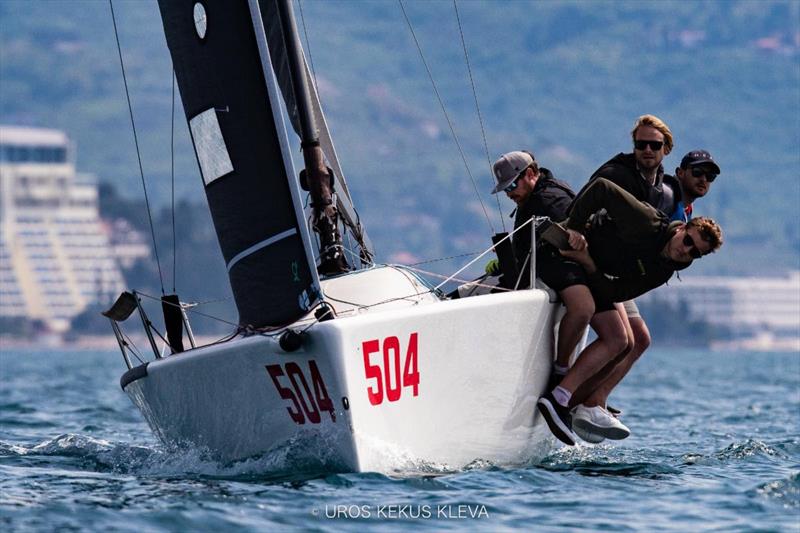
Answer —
(785, 492)
(177, 461)
(736, 451)
(608, 460)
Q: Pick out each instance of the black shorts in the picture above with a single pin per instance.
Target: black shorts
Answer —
(557, 271)
(560, 273)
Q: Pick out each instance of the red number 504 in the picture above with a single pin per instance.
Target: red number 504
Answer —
(386, 372)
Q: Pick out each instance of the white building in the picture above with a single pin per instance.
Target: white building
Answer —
(55, 258)
(750, 306)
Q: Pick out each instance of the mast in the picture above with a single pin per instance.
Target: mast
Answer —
(319, 176)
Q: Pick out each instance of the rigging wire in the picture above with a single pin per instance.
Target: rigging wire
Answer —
(308, 43)
(446, 116)
(478, 109)
(131, 346)
(192, 310)
(470, 254)
(136, 142)
(172, 175)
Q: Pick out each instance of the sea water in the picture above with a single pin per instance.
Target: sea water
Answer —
(715, 446)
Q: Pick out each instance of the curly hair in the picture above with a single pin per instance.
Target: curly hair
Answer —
(709, 231)
(654, 122)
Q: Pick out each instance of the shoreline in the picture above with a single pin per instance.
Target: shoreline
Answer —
(81, 342)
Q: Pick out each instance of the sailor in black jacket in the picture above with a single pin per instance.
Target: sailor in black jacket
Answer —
(641, 174)
(548, 198)
(537, 193)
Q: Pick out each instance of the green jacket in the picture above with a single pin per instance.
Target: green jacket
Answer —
(627, 248)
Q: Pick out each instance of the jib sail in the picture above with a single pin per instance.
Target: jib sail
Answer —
(232, 105)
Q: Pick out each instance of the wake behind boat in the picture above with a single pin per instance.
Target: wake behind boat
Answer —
(333, 351)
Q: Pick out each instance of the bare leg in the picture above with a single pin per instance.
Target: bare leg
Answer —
(641, 336)
(587, 388)
(612, 339)
(580, 308)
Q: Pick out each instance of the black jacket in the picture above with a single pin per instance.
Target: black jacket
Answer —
(549, 198)
(622, 170)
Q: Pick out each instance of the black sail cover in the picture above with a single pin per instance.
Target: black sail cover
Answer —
(238, 146)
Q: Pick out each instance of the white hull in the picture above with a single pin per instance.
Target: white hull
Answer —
(481, 364)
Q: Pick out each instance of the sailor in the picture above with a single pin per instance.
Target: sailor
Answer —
(640, 173)
(536, 192)
(692, 180)
(637, 249)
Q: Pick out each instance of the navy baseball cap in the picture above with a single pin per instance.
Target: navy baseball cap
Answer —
(699, 157)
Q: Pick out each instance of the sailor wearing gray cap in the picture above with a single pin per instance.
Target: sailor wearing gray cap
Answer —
(509, 168)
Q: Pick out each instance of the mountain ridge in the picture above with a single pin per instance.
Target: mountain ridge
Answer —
(563, 79)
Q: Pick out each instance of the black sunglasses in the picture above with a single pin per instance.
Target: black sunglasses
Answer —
(710, 176)
(693, 251)
(513, 185)
(642, 145)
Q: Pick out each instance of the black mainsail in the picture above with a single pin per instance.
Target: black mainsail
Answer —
(231, 102)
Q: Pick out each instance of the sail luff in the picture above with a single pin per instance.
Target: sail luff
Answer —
(344, 201)
(272, 87)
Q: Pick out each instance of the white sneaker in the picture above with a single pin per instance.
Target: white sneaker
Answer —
(599, 423)
(587, 436)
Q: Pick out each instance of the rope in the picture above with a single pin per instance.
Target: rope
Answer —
(485, 252)
(478, 109)
(172, 175)
(471, 282)
(446, 116)
(136, 142)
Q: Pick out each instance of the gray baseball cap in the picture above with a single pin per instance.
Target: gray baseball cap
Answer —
(508, 167)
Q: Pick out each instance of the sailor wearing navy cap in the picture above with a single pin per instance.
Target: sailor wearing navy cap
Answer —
(694, 177)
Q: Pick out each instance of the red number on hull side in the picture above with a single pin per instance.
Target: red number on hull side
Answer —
(301, 394)
(410, 370)
(309, 407)
(392, 366)
(320, 392)
(372, 371)
(390, 372)
(274, 372)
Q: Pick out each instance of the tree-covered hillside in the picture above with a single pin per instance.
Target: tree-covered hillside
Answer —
(563, 79)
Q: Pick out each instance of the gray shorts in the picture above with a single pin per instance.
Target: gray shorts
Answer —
(631, 309)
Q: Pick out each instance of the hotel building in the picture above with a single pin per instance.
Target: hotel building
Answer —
(55, 258)
(766, 308)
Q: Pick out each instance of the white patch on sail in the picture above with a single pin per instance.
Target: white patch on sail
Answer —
(210, 146)
(256, 247)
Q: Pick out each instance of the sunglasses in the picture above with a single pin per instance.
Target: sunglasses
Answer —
(654, 145)
(513, 185)
(710, 176)
(693, 251)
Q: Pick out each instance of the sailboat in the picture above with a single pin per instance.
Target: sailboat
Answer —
(365, 365)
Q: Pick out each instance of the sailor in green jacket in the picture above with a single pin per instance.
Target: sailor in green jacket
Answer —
(639, 246)
(635, 249)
